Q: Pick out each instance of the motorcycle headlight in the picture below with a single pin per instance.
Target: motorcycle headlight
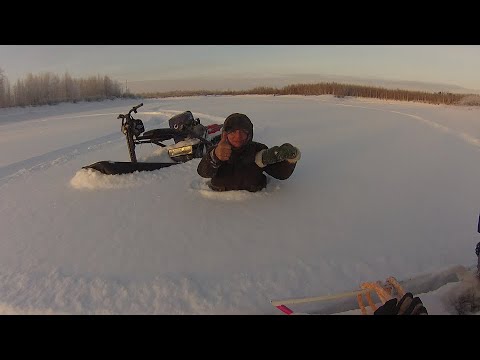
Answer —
(183, 150)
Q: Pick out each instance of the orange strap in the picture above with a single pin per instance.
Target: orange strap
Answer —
(384, 292)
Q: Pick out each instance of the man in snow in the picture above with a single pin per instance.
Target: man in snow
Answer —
(238, 163)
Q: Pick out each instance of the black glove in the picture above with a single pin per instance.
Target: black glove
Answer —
(407, 305)
(279, 153)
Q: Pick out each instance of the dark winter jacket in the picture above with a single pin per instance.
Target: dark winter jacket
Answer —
(241, 172)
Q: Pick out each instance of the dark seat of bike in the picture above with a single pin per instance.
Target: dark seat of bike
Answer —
(183, 121)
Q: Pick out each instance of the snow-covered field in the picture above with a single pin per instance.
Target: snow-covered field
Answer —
(382, 189)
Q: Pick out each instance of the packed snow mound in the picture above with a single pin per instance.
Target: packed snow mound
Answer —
(89, 179)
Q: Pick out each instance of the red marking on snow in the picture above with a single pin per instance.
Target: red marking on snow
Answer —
(285, 309)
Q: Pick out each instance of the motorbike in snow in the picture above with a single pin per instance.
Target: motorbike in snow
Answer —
(191, 140)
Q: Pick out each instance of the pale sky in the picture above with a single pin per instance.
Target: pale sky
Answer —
(383, 188)
(448, 64)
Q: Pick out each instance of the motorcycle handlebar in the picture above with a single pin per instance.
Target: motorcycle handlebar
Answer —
(134, 109)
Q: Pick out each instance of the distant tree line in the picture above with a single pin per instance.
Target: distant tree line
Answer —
(48, 88)
(339, 90)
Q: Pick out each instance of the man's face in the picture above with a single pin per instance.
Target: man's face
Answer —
(237, 138)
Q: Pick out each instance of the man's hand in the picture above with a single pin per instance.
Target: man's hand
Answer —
(287, 151)
(407, 305)
(223, 149)
(279, 153)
